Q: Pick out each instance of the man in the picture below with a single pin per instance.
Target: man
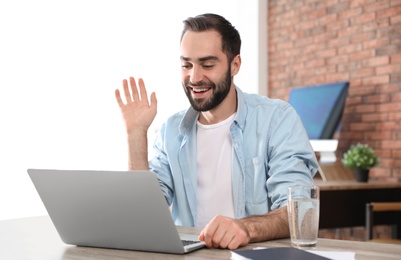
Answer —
(225, 163)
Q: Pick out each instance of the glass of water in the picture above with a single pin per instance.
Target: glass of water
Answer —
(303, 215)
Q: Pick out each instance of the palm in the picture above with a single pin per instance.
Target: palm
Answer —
(137, 112)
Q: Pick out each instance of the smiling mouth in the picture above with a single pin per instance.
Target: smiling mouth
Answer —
(200, 90)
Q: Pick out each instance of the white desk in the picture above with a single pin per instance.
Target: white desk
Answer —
(36, 238)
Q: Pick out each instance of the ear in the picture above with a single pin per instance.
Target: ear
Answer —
(235, 65)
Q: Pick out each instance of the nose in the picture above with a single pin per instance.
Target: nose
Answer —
(195, 75)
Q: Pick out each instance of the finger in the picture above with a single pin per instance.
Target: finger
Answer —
(127, 94)
(153, 101)
(134, 90)
(225, 240)
(240, 238)
(201, 236)
(222, 236)
(210, 231)
(234, 244)
(208, 235)
(118, 98)
(142, 89)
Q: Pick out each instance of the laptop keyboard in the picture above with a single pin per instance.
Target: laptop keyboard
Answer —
(188, 242)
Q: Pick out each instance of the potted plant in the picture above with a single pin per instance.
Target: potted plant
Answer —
(361, 158)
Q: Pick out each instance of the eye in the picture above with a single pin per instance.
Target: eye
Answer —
(186, 66)
(207, 66)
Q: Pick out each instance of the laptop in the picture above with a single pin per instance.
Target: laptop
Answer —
(111, 209)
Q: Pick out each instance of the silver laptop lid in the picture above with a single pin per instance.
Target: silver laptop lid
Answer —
(110, 209)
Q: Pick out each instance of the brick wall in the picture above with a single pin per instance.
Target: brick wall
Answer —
(323, 41)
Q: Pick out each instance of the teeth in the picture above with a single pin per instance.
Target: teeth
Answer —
(200, 90)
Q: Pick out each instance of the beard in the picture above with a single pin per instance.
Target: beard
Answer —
(220, 91)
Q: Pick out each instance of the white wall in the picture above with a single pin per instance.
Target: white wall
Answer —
(60, 62)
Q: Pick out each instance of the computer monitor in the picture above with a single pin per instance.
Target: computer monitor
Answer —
(320, 108)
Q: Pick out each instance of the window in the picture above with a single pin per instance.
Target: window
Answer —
(60, 64)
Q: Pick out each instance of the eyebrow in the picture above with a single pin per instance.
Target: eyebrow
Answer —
(202, 59)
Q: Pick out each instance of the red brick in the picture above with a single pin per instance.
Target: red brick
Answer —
(365, 90)
(380, 5)
(389, 88)
(377, 61)
(379, 98)
(361, 55)
(365, 108)
(356, 83)
(326, 53)
(393, 11)
(315, 63)
(325, 70)
(374, 117)
(363, 37)
(389, 107)
(315, 80)
(387, 126)
(337, 59)
(397, 153)
(312, 48)
(362, 126)
(354, 100)
(324, 37)
(395, 19)
(336, 77)
(284, 45)
(363, 19)
(358, 3)
(305, 25)
(338, 42)
(380, 171)
(349, 66)
(395, 78)
(382, 135)
(316, 14)
(365, 72)
(396, 58)
(396, 97)
(328, 19)
(352, 12)
(383, 22)
(393, 32)
(384, 152)
(376, 43)
(349, 48)
(388, 69)
(387, 163)
(395, 2)
(349, 31)
(374, 80)
(391, 144)
(394, 116)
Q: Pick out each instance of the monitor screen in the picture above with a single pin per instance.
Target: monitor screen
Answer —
(320, 108)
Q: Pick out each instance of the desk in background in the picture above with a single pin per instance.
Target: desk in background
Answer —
(342, 203)
(36, 238)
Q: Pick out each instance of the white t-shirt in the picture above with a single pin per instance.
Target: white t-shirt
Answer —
(214, 162)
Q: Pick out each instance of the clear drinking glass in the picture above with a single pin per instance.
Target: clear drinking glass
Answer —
(303, 215)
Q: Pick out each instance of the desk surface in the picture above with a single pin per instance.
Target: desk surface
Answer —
(36, 238)
(353, 185)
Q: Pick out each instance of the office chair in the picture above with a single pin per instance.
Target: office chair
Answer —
(375, 207)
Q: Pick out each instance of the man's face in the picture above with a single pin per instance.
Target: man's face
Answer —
(206, 74)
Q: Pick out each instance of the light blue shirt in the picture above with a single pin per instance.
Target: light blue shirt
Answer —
(271, 152)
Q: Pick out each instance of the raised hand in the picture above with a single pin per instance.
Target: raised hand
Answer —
(137, 112)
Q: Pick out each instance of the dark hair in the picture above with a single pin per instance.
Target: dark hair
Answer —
(231, 40)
